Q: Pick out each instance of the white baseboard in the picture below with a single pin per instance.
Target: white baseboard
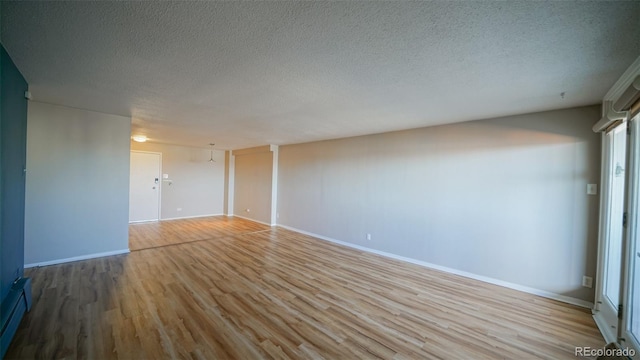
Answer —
(174, 218)
(254, 220)
(77, 258)
(526, 289)
(141, 222)
(191, 217)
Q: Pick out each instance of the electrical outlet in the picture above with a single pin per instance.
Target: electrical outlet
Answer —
(587, 281)
(368, 236)
(179, 209)
(248, 210)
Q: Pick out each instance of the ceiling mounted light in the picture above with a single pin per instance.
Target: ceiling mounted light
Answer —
(139, 138)
(211, 159)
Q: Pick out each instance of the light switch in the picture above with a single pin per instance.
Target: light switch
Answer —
(165, 176)
(592, 189)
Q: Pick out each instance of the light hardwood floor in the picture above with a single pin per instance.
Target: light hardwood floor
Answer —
(279, 294)
(171, 232)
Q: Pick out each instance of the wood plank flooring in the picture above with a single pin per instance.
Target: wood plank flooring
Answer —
(170, 232)
(279, 294)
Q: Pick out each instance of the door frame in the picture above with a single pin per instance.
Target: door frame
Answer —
(603, 316)
(628, 262)
(159, 185)
(632, 232)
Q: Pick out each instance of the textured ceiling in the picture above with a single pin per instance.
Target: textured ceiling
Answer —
(243, 74)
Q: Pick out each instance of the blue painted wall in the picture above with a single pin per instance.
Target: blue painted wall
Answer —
(13, 145)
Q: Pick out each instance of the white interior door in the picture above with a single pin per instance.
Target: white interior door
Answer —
(144, 186)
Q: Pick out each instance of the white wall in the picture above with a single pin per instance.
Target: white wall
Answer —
(229, 182)
(77, 184)
(502, 198)
(252, 183)
(197, 185)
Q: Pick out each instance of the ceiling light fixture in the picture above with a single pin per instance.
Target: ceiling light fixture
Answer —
(139, 138)
(211, 159)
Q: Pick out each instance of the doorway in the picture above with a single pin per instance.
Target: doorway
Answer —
(630, 319)
(144, 186)
(615, 142)
(617, 310)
